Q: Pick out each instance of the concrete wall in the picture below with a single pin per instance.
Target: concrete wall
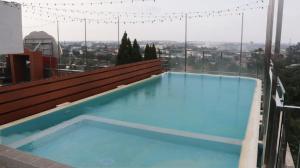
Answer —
(11, 38)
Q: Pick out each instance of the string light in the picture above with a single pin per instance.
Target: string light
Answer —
(91, 12)
(53, 14)
(84, 3)
(135, 14)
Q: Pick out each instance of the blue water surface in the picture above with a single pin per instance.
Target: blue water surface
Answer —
(90, 145)
(212, 105)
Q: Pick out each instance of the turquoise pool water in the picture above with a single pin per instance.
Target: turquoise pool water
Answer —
(217, 107)
(112, 146)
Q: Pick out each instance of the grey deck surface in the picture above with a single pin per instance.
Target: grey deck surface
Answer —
(12, 158)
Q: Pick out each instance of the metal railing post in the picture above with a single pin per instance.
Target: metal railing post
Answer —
(85, 44)
(58, 50)
(256, 62)
(221, 62)
(267, 82)
(118, 25)
(278, 28)
(241, 47)
(298, 158)
(203, 53)
(185, 44)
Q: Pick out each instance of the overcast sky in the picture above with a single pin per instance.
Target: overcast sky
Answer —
(219, 29)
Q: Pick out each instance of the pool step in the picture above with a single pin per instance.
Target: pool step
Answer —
(130, 125)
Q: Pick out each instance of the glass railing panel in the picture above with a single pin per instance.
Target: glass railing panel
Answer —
(219, 62)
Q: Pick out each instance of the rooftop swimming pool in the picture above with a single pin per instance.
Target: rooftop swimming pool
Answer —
(171, 120)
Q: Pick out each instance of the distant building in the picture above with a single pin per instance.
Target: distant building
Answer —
(43, 42)
(190, 52)
(47, 45)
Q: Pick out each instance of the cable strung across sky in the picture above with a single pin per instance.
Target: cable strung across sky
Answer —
(53, 14)
(85, 3)
(136, 14)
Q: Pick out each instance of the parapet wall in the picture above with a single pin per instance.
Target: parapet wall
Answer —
(26, 99)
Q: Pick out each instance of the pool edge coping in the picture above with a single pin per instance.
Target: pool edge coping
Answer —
(249, 149)
(249, 152)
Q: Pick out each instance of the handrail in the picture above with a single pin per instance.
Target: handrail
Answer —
(292, 107)
(280, 94)
(281, 85)
(279, 111)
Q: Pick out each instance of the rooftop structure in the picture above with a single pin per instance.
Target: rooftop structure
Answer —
(43, 42)
(10, 28)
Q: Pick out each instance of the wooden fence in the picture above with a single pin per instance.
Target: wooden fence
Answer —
(26, 99)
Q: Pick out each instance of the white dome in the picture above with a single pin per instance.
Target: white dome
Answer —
(37, 37)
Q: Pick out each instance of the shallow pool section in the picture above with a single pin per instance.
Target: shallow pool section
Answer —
(90, 143)
(209, 113)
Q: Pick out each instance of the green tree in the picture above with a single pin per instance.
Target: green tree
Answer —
(128, 53)
(136, 53)
(123, 53)
(256, 62)
(293, 54)
(150, 52)
(153, 52)
(289, 72)
(147, 55)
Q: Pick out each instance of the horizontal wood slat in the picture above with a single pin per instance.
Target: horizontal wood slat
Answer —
(45, 81)
(60, 84)
(31, 98)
